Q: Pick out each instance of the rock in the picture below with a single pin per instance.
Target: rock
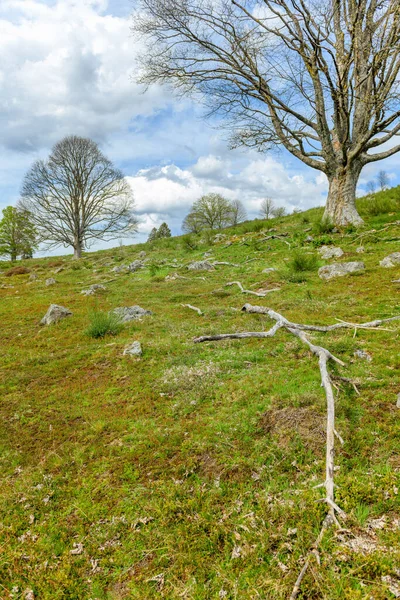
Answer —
(269, 270)
(360, 249)
(119, 269)
(391, 261)
(309, 238)
(330, 252)
(142, 255)
(363, 355)
(135, 266)
(201, 265)
(340, 269)
(207, 254)
(131, 313)
(93, 289)
(55, 314)
(33, 277)
(398, 401)
(50, 281)
(135, 349)
(220, 237)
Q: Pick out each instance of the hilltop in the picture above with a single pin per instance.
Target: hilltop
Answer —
(189, 472)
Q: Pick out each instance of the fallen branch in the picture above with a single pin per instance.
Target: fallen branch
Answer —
(223, 262)
(278, 236)
(193, 308)
(259, 294)
(324, 356)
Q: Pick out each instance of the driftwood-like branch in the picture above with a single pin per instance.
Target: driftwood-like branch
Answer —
(193, 308)
(223, 262)
(324, 356)
(278, 236)
(259, 294)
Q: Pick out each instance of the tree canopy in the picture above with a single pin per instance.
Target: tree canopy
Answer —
(18, 235)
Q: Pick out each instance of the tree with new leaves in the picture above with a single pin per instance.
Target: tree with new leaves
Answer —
(18, 235)
(211, 211)
(192, 223)
(77, 196)
(320, 78)
(238, 212)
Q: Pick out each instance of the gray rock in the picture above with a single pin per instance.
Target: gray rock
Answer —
(207, 254)
(50, 281)
(220, 237)
(142, 255)
(131, 313)
(54, 314)
(120, 269)
(330, 252)
(136, 265)
(93, 289)
(201, 265)
(58, 270)
(269, 270)
(135, 349)
(360, 249)
(340, 269)
(363, 355)
(33, 277)
(309, 238)
(398, 401)
(391, 261)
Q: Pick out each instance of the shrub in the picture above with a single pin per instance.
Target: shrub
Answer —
(154, 268)
(189, 242)
(324, 226)
(302, 262)
(102, 324)
(17, 271)
(380, 205)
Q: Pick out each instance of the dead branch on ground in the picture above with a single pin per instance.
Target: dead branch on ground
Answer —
(259, 294)
(193, 308)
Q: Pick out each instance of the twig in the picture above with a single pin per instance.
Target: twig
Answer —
(259, 294)
(193, 308)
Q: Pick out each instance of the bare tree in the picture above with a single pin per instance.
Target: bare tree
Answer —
(238, 212)
(371, 187)
(319, 77)
(77, 196)
(383, 180)
(279, 211)
(267, 208)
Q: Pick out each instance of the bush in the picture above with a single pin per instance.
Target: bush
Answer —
(189, 242)
(302, 262)
(102, 324)
(324, 226)
(380, 205)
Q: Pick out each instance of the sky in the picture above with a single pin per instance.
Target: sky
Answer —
(69, 67)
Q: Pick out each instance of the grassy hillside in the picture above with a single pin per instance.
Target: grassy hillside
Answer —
(190, 472)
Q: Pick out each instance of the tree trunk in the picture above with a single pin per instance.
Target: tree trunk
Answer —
(340, 206)
(77, 250)
(13, 256)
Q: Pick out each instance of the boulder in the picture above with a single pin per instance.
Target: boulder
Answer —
(391, 261)
(33, 277)
(142, 255)
(340, 269)
(54, 314)
(120, 269)
(50, 281)
(93, 289)
(268, 270)
(131, 313)
(201, 265)
(135, 349)
(136, 265)
(330, 252)
(220, 237)
(360, 249)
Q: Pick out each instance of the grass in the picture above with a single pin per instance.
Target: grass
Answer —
(102, 324)
(180, 474)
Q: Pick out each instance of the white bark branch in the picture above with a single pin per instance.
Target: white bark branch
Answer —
(259, 294)
(193, 308)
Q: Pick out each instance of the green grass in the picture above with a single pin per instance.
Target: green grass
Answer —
(103, 323)
(167, 467)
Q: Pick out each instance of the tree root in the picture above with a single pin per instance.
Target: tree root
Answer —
(324, 356)
(259, 294)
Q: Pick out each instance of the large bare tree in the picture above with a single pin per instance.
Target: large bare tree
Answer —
(319, 77)
(77, 196)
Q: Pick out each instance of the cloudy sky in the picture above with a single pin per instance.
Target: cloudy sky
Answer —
(68, 67)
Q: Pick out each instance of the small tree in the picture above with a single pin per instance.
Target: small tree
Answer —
(238, 212)
(191, 224)
(212, 211)
(279, 211)
(18, 236)
(152, 235)
(383, 180)
(77, 196)
(163, 231)
(267, 207)
(371, 187)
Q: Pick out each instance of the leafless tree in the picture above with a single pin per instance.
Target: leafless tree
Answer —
(267, 208)
(238, 212)
(319, 77)
(371, 187)
(383, 180)
(279, 211)
(77, 196)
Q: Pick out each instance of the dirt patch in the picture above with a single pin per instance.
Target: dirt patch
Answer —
(17, 271)
(285, 423)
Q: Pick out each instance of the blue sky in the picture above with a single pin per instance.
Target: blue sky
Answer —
(68, 67)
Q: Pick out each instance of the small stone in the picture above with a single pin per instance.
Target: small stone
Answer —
(268, 270)
(29, 595)
(135, 349)
(340, 269)
(33, 277)
(236, 552)
(131, 313)
(93, 289)
(309, 239)
(363, 355)
(77, 549)
(292, 531)
(54, 314)
(327, 252)
(201, 265)
(119, 269)
(136, 265)
(398, 401)
(142, 255)
(360, 249)
(50, 281)
(220, 237)
(391, 261)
